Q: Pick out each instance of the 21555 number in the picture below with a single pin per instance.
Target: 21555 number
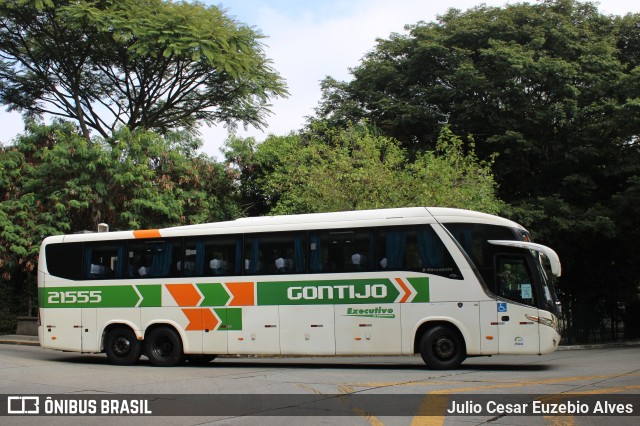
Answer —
(72, 296)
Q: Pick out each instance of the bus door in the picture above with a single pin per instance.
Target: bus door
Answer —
(89, 333)
(516, 301)
(215, 331)
(489, 332)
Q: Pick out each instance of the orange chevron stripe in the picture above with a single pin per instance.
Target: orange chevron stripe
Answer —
(407, 292)
(209, 320)
(147, 233)
(242, 294)
(184, 294)
(200, 319)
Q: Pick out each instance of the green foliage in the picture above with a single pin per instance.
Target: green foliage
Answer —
(157, 65)
(54, 181)
(354, 169)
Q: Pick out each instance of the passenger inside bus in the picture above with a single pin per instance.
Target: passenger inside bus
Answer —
(357, 260)
(189, 265)
(218, 266)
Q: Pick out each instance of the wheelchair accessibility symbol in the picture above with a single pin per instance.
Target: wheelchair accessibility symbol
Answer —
(502, 307)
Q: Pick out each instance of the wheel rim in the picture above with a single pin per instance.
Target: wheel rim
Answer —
(121, 346)
(444, 348)
(163, 348)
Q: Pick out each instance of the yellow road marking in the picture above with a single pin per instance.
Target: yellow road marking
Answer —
(433, 404)
(373, 420)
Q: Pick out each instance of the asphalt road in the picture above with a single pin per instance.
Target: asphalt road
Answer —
(369, 390)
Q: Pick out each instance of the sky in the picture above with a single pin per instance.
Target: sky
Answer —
(308, 40)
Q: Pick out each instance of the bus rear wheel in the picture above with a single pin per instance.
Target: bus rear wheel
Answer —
(122, 346)
(164, 347)
(442, 348)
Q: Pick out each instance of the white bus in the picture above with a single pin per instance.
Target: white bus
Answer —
(444, 283)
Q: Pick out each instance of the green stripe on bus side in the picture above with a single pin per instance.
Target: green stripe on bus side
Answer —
(422, 288)
(231, 318)
(214, 294)
(151, 295)
(112, 296)
(109, 296)
(314, 292)
(327, 292)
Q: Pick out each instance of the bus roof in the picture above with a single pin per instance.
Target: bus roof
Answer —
(359, 218)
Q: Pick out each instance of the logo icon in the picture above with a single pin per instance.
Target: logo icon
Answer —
(23, 405)
(378, 312)
(502, 306)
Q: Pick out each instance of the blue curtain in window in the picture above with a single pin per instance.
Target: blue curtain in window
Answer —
(315, 260)
(430, 247)
(369, 260)
(121, 262)
(254, 258)
(88, 253)
(238, 259)
(156, 262)
(298, 250)
(396, 247)
(162, 256)
(465, 239)
(200, 258)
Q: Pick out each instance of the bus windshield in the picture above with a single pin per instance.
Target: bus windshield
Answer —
(550, 300)
(511, 266)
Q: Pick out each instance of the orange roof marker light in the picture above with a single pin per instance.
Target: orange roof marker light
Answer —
(147, 233)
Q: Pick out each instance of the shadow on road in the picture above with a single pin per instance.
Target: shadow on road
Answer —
(323, 363)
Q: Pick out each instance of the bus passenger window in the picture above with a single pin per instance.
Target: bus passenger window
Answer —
(64, 260)
(275, 253)
(415, 248)
(212, 256)
(347, 250)
(154, 259)
(104, 261)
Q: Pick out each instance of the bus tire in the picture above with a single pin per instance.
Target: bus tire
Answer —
(442, 348)
(164, 347)
(122, 346)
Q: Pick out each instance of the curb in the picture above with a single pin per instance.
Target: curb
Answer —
(20, 340)
(600, 345)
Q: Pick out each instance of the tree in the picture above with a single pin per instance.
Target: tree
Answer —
(554, 87)
(157, 65)
(355, 169)
(53, 181)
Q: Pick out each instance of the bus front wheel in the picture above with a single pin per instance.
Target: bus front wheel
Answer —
(164, 347)
(122, 346)
(442, 348)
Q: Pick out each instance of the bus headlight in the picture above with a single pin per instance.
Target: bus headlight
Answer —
(553, 322)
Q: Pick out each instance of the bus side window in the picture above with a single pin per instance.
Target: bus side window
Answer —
(64, 260)
(211, 256)
(222, 255)
(275, 253)
(104, 260)
(415, 248)
(350, 251)
(153, 259)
